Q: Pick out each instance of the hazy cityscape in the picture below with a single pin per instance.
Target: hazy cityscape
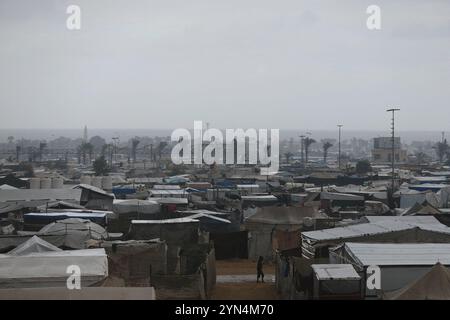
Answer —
(223, 151)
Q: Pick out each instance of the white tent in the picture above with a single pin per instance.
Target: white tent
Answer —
(49, 269)
(76, 231)
(33, 245)
(136, 206)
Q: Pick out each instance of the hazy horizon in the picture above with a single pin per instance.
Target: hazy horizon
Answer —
(407, 136)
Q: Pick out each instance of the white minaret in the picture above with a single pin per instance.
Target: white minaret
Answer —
(85, 135)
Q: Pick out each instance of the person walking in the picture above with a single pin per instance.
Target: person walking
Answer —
(259, 269)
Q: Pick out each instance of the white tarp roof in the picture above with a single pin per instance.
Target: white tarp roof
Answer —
(169, 200)
(75, 231)
(259, 198)
(40, 195)
(167, 192)
(93, 189)
(7, 187)
(335, 272)
(166, 187)
(356, 230)
(384, 225)
(33, 245)
(164, 221)
(416, 220)
(340, 196)
(390, 254)
(135, 205)
(208, 216)
(92, 262)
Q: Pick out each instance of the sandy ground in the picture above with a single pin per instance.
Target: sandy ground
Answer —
(225, 267)
(237, 281)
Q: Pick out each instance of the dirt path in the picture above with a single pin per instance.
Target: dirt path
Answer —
(236, 280)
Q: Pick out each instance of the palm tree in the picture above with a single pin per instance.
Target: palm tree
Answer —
(89, 150)
(288, 156)
(420, 157)
(327, 145)
(134, 145)
(308, 142)
(442, 149)
(161, 147)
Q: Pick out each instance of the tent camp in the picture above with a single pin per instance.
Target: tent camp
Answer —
(75, 231)
(32, 266)
(434, 285)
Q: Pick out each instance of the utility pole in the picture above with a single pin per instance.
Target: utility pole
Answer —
(302, 137)
(115, 139)
(339, 152)
(393, 110)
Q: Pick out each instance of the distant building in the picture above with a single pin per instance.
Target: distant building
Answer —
(382, 150)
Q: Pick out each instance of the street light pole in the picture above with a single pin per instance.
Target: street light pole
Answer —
(393, 110)
(339, 152)
(302, 137)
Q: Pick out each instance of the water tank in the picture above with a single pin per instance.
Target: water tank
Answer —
(57, 183)
(35, 183)
(107, 183)
(46, 183)
(86, 180)
(97, 182)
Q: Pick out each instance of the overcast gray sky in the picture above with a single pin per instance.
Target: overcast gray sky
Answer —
(234, 63)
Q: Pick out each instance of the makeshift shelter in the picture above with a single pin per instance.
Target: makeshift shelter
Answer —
(36, 197)
(336, 281)
(385, 229)
(75, 231)
(134, 261)
(399, 263)
(434, 285)
(262, 227)
(95, 198)
(49, 269)
(136, 207)
(37, 220)
(179, 231)
(33, 245)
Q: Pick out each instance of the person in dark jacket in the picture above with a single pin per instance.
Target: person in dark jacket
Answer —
(259, 269)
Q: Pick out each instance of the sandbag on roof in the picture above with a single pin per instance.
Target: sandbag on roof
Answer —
(434, 285)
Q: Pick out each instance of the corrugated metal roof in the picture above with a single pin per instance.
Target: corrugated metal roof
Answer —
(335, 272)
(357, 230)
(408, 219)
(167, 192)
(377, 225)
(394, 254)
(340, 196)
(93, 189)
(165, 221)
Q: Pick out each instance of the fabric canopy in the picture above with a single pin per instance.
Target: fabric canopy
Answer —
(434, 285)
